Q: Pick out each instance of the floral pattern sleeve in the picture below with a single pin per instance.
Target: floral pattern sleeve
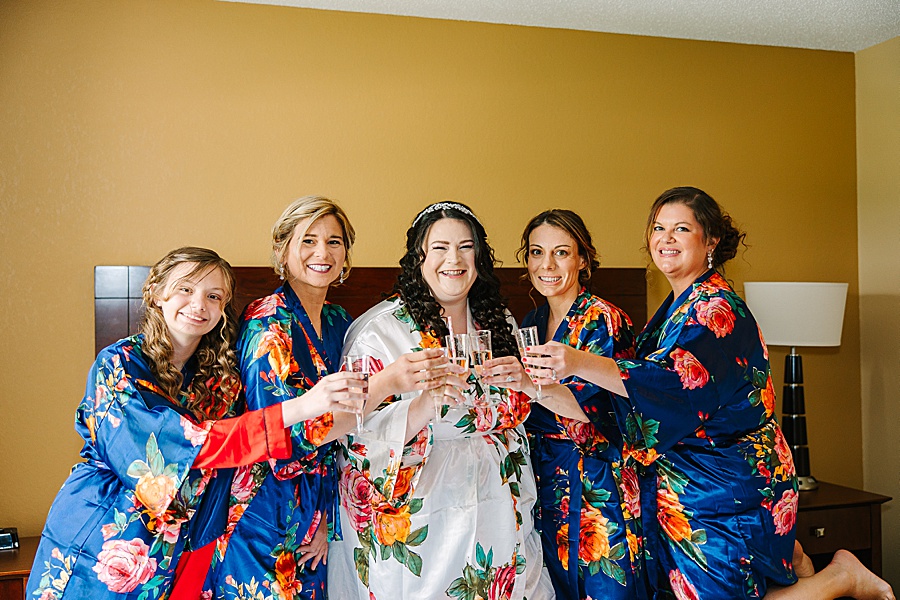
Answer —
(133, 433)
(271, 373)
(718, 485)
(706, 347)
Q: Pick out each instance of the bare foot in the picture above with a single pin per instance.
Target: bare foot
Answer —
(863, 583)
(803, 566)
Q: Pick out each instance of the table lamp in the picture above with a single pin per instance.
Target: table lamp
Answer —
(797, 314)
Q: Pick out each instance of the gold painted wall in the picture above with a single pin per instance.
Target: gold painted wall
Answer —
(127, 129)
(878, 164)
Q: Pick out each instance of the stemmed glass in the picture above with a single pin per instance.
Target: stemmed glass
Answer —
(527, 337)
(480, 351)
(457, 345)
(359, 363)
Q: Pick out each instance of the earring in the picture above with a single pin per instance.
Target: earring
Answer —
(281, 272)
(341, 280)
(709, 259)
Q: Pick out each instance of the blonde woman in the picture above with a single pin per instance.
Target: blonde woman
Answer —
(289, 346)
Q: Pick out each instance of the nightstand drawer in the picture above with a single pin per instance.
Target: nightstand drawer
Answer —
(827, 530)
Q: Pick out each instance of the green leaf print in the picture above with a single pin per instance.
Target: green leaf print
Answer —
(418, 536)
(414, 563)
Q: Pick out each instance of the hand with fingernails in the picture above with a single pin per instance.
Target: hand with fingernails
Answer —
(556, 361)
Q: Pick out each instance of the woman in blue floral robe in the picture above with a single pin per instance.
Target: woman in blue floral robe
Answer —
(588, 503)
(152, 443)
(282, 513)
(718, 488)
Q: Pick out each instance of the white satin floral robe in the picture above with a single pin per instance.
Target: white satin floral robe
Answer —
(447, 515)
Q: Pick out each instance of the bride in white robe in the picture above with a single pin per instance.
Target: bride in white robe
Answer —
(439, 508)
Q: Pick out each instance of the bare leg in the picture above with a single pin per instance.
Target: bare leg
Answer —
(844, 576)
(803, 566)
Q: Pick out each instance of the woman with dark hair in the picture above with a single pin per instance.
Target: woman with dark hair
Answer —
(154, 436)
(588, 500)
(696, 409)
(436, 507)
(282, 513)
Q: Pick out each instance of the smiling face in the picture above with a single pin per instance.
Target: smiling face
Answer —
(678, 245)
(315, 254)
(449, 265)
(554, 263)
(191, 305)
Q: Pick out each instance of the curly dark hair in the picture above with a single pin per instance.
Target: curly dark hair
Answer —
(487, 305)
(716, 223)
(216, 383)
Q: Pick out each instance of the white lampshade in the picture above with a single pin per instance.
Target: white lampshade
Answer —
(798, 313)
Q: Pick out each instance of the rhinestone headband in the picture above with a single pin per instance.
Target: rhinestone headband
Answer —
(442, 206)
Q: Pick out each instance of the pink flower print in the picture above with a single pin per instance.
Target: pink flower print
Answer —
(502, 584)
(716, 315)
(784, 453)
(194, 434)
(242, 485)
(682, 587)
(693, 374)
(356, 493)
(631, 491)
(123, 565)
(785, 512)
(264, 307)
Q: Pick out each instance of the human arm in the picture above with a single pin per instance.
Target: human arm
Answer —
(566, 361)
(411, 372)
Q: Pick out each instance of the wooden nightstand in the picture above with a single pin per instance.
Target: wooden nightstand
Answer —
(834, 517)
(15, 565)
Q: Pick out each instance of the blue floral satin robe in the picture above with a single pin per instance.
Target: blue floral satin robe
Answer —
(277, 506)
(719, 492)
(123, 517)
(588, 503)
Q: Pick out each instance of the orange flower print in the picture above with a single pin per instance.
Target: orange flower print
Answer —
(316, 429)
(763, 343)
(276, 343)
(768, 396)
(155, 492)
(429, 341)
(642, 455)
(670, 513)
(404, 480)
(593, 313)
(716, 315)
(286, 584)
(562, 545)
(633, 542)
(693, 374)
(784, 454)
(593, 543)
(391, 524)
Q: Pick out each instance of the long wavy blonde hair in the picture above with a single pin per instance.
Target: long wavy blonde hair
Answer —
(216, 383)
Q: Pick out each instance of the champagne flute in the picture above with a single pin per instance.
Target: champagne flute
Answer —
(527, 337)
(457, 345)
(359, 363)
(480, 351)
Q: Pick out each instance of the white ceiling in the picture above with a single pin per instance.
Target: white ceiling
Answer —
(844, 25)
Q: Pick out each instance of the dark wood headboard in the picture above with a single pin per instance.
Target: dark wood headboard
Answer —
(117, 293)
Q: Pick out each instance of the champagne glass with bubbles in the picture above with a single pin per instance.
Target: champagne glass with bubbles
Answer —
(527, 337)
(359, 363)
(457, 345)
(480, 352)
